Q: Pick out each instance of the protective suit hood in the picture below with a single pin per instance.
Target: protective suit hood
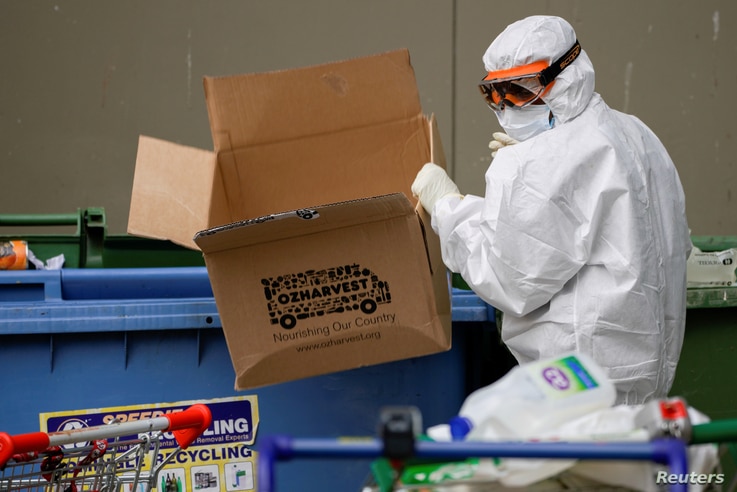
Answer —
(546, 38)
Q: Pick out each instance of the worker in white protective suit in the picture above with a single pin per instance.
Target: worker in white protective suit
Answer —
(581, 239)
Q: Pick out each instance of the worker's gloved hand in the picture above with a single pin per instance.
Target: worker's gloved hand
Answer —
(500, 140)
(431, 184)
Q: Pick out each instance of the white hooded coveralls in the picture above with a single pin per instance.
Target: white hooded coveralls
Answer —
(581, 239)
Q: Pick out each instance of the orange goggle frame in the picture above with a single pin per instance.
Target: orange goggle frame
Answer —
(521, 86)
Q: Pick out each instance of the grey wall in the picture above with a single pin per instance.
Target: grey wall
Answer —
(82, 79)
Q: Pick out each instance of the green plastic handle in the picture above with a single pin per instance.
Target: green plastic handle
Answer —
(38, 220)
(718, 431)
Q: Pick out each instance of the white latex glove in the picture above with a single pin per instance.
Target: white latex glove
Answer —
(500, 140)
(431, 184)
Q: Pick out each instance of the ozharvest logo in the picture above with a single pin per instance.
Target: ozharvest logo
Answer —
(302, 295)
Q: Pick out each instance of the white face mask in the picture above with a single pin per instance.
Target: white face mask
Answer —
(525, 123)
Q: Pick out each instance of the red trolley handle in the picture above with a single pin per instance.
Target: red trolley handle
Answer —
(21, 443)
(186, 426)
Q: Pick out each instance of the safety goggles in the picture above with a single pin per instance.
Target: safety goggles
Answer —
(521, 86)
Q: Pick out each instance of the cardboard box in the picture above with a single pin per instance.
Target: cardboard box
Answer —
(318, 259)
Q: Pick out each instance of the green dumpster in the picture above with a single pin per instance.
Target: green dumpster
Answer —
(709, 356)
(704, 376)
(83, 240)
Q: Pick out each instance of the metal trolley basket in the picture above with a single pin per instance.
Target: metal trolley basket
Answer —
(670, 452)
(666, 422)
(120, 456)
(397, 443)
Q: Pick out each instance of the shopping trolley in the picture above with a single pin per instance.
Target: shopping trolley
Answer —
(397, 442)
(120, 456)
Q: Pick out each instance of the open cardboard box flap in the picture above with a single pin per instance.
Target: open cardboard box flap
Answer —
(266, 108)
(344, 139)
(317, 135)
(177, 190)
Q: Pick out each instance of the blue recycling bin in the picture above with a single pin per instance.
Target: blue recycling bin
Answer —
(89, 338)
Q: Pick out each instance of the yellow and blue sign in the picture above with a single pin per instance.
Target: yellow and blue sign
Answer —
(221, 459)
